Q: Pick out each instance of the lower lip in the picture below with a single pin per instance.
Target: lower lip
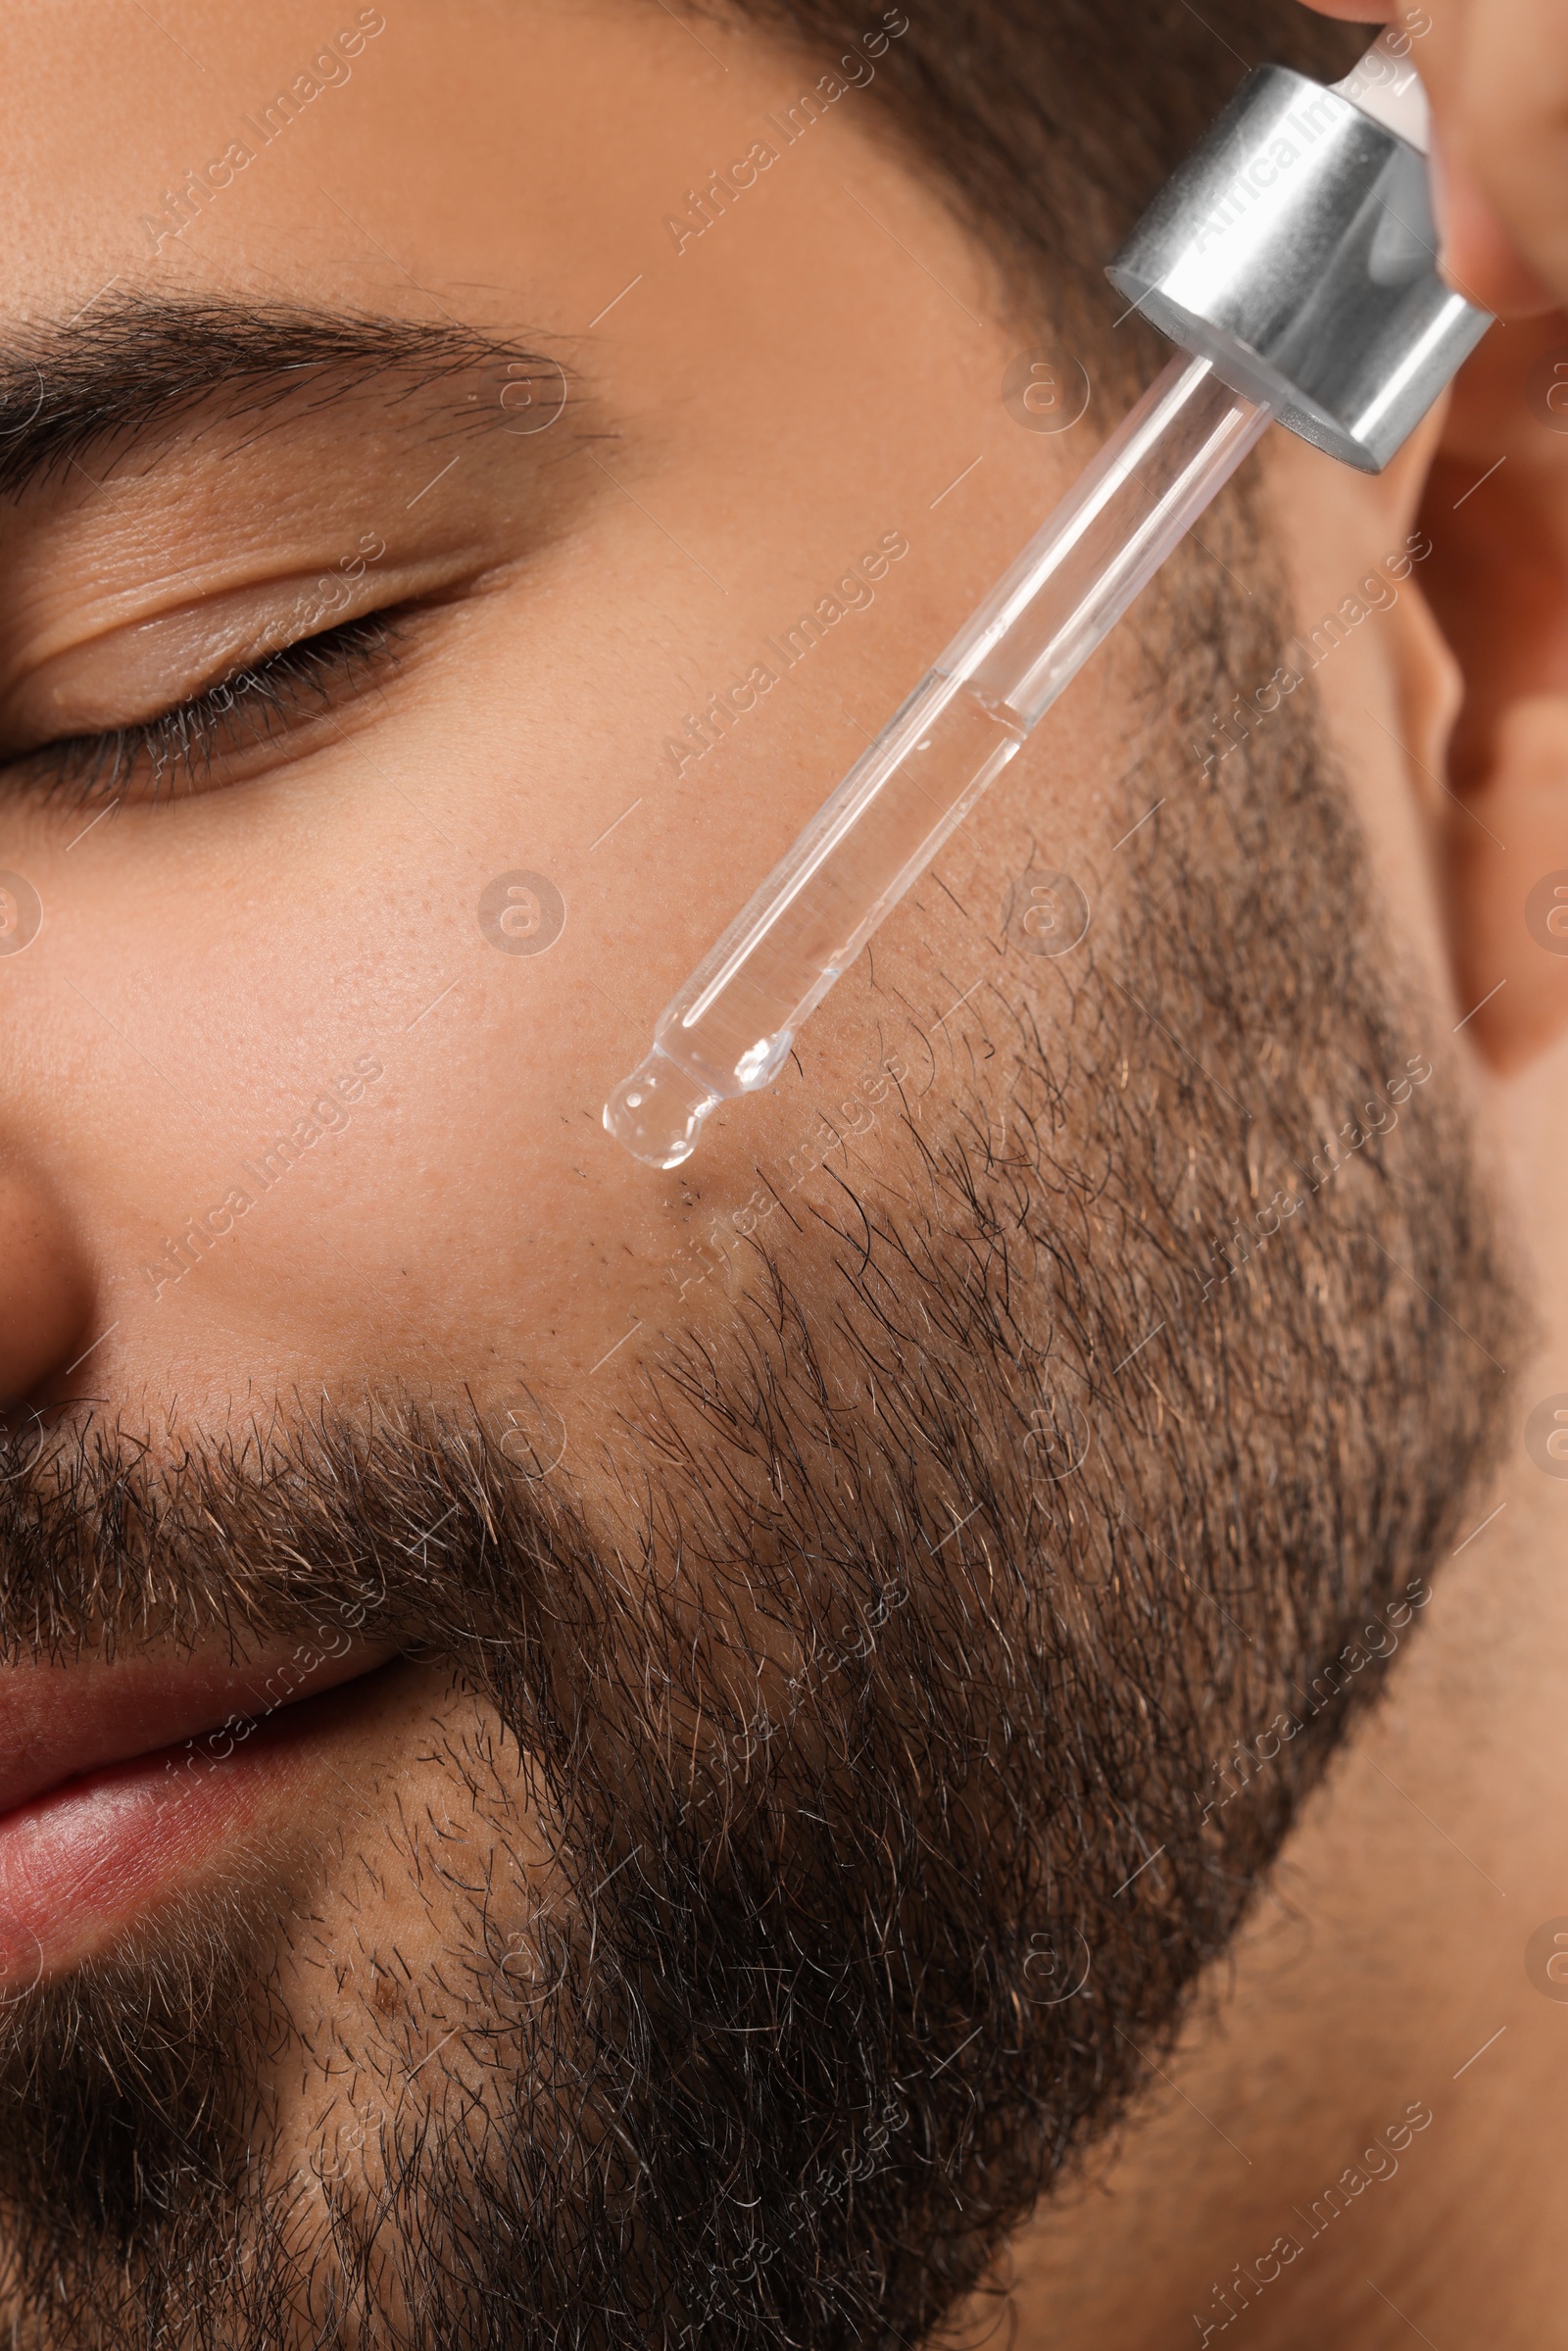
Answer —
(80, 1862)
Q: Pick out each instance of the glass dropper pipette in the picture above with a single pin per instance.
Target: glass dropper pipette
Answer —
(730, 1028)
(1293, 260)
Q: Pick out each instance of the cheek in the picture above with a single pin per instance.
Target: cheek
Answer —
(259, 943)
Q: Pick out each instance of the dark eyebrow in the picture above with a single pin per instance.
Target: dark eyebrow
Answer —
(128, 371)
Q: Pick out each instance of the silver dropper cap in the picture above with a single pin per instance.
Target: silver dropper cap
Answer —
(1296, 250)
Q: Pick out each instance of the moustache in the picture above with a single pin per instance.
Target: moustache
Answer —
(406, 1527)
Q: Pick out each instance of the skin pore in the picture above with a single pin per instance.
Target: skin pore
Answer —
(666, 1538)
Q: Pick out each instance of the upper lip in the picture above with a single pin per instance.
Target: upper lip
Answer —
(58, 1722)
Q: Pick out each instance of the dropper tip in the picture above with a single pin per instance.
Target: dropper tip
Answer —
(658, 1112)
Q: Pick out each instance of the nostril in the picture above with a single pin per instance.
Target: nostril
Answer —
(45, 1292)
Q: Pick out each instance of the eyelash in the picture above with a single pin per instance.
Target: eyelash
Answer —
(263, 700)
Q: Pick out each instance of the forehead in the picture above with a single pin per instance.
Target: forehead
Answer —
(710, 231)
(285, 97)
(580, 162)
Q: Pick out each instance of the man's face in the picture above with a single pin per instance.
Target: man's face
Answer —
(651, 1737)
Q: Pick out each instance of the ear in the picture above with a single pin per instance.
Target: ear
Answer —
(1496, 508)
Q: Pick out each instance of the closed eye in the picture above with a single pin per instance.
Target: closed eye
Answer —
(179, 752)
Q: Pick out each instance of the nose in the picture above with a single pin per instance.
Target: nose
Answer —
(45, 1294)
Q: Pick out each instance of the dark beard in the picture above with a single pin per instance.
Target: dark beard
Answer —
(877, 1762)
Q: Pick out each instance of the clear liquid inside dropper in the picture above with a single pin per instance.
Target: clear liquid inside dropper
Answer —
(728, 1030)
